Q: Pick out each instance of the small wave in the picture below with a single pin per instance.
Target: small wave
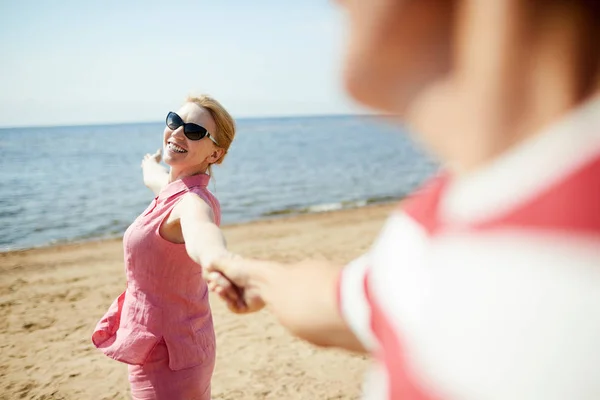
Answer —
(384, 199)
(11, 210)
(325, 207)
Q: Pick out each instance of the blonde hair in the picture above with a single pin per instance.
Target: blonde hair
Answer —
(223, 120)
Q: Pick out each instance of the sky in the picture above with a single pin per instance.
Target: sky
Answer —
(81, 62)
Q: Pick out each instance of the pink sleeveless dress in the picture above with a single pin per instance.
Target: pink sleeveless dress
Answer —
(162, 324)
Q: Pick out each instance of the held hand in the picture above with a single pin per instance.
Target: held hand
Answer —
(231, 278)
(219, 284)
(229, 293)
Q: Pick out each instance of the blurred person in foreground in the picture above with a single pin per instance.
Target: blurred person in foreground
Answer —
(485, 284)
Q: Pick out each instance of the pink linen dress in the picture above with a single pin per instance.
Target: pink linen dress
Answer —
(162, 324)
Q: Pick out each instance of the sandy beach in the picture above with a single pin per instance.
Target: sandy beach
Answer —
(51, 298)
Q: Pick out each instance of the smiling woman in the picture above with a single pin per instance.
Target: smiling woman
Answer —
(162, 325)
(205, 117)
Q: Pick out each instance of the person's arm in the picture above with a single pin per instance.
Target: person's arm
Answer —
(155, 176)
(204, 241)
(302, 296)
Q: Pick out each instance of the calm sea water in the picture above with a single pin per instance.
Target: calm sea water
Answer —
(63, 184)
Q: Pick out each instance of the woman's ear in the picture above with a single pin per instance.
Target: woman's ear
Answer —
(216, 155)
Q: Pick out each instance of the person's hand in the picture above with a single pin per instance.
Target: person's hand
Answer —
(229, 293)
(220, 285)
(151, 159)
(230, 276)
(154, 174)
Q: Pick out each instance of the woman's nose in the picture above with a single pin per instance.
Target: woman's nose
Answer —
(178, 132)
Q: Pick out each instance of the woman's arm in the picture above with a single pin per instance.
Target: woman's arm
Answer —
(302, 296)
(193, 220)
(155, 175)
(203, 239)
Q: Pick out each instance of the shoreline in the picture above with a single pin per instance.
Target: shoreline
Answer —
(274, 216)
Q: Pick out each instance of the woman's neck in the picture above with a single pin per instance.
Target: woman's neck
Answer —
(180, 173)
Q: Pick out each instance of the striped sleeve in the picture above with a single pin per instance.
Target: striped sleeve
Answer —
(352, 300)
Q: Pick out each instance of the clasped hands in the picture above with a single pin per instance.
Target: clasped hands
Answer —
(232, 278)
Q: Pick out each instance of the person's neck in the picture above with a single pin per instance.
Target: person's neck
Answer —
(515, 76)
(176, 173)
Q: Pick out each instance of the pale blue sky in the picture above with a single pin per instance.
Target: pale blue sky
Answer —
(77, 62)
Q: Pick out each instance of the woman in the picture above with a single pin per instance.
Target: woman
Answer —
(162, 325)
(486, 284)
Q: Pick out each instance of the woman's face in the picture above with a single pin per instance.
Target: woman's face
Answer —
(186, 154)
(396, 51)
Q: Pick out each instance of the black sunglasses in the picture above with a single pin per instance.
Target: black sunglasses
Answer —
(190, 130)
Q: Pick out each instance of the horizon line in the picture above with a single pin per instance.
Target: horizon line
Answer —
(256, 117)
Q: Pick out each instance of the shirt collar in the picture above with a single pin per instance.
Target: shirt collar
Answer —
(182, 184)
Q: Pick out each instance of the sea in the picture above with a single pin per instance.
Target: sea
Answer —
(76, 183)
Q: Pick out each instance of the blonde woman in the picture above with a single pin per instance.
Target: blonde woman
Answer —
(162, 325)
(486, 284)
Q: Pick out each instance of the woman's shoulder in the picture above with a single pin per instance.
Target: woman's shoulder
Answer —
(209, 198)
(204, 194)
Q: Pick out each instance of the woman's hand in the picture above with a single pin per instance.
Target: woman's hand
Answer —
(155, 175)
(230, 277)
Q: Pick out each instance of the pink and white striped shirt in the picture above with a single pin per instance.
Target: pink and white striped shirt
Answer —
(488, 286)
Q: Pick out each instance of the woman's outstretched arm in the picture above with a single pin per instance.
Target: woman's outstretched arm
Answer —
(204, 242)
